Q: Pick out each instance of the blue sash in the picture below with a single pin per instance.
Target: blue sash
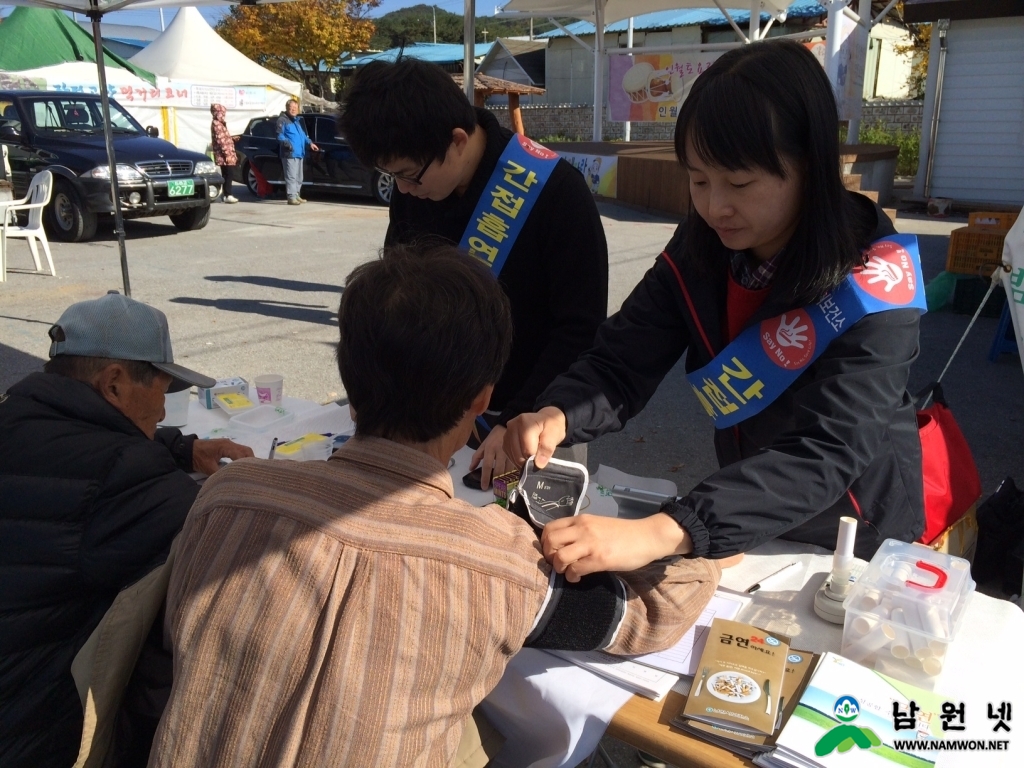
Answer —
(760, 364)
(522, 171)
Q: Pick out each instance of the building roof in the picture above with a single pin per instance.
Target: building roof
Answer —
(438, 53)
(703, 17)
(528, 55)
(497, 86)
(31, 38)
(956, 10)
(124, 32)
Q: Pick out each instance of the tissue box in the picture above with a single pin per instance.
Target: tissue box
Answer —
(223, 386)
(503, 485)
(905, 610)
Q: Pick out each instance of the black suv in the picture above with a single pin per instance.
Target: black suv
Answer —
(63, 133)
(333, 169)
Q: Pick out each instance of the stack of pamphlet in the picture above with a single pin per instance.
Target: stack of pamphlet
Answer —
(799, 665)
(653, 675)
(738, 697)
(848, 715)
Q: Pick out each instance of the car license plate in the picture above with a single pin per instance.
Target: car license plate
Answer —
(181, 187)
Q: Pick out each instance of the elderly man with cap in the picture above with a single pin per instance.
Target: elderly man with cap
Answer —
(92, 493)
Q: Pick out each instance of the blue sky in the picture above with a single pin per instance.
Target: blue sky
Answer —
(151, 18)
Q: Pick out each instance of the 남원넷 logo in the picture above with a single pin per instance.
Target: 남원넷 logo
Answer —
(845, 736)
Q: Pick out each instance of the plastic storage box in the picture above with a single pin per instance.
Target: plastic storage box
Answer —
(263, 417)
(980, 243)
(905, 610)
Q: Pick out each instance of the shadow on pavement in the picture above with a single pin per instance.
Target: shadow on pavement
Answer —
(16, 365)
(281, 310)
(136, 229)
(274, 282)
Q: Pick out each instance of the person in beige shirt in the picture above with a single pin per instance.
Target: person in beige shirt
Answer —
(354, 612)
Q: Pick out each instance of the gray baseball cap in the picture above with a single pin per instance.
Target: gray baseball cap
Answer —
(119, 327)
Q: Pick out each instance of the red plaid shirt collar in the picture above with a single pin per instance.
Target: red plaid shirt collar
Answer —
(752, 274)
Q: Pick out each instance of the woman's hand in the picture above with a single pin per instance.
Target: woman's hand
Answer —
(537, 434)
(491, 458)
(586, 544)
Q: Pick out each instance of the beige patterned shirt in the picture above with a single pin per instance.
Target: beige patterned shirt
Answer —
(353, 612)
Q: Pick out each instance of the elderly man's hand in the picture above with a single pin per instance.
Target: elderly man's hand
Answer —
(206, 454)
(491, 458)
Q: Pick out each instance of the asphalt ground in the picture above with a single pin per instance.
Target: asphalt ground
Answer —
(257, 291)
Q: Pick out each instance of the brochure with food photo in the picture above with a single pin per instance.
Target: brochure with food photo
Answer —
(799, 666)
(739, 678)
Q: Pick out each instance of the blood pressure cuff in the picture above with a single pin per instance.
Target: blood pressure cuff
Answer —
(554, 492)
(584, 616)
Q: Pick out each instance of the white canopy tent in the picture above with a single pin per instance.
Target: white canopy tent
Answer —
(602, 12)
(95, 9)
(192, 57)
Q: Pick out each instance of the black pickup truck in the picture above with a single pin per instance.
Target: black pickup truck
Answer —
(63, 133)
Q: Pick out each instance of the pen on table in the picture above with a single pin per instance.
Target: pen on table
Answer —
(273, 447)
(753, 588)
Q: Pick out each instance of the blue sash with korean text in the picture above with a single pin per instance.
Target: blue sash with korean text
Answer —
(760, 364)
(523, 169)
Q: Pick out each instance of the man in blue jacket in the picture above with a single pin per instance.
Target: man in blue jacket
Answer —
(294, 140)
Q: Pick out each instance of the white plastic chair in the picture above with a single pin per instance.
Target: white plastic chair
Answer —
(37, 198)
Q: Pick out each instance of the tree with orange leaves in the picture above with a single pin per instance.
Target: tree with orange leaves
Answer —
(303, 40)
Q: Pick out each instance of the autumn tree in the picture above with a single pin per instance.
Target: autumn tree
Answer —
(303, 40)
(917, 48)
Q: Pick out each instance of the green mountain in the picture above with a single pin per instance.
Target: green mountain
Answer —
(416, 25)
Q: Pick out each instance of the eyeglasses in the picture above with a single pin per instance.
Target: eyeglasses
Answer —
(416, 180)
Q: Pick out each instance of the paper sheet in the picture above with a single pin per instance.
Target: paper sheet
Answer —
(684, 656)
(647, 681)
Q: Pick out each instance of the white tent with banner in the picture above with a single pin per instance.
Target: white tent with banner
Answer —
(1013, 282)
(197, 67)
(80, 76)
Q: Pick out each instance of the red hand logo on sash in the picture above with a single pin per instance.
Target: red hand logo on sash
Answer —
(888, 273)
(537, 150)
(789, 339)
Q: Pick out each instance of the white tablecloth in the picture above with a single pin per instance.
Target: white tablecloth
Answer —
(553, 713)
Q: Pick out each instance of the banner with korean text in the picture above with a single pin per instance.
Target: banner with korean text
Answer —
(652, 87)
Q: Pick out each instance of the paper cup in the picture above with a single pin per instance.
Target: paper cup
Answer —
(269, 388)
(176, 408)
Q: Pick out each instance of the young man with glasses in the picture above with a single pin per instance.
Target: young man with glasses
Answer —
(456, 182)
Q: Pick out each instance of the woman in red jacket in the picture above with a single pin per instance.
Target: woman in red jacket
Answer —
(759, 273)
(223, 149)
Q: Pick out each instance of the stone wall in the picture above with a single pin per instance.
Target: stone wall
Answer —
(904, 115)
(575, 123)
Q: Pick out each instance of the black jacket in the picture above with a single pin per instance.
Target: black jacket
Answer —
(88, 505)
(842, 440)
(556, 277)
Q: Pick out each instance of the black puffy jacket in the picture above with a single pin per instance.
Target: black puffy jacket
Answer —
(842, 440)
(88, 505)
